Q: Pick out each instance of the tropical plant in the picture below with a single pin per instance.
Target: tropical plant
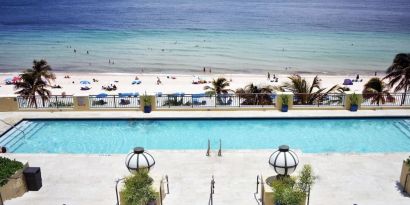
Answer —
(306, 93)
(41, 70)
(292, 190)
(7, 168)
(146, 99)
(138, 189)
(286, 193)
(306, 178)
(399, 74)
(285, 99)
(219, 86)
(34, 81)
(29, 86)
(377, 92)
(354, 99)
(255, 95)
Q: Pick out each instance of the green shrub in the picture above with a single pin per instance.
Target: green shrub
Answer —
(286, 193)
(146, 99)
(354, 99)
(285, 99)
(7, 168)
(292, 190)
(138, 189)
(408, 161)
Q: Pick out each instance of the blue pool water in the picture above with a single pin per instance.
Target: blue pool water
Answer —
(119, 136)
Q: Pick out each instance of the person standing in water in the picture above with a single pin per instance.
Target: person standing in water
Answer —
(268, 75)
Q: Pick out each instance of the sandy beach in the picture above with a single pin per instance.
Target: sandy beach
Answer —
(181, 83)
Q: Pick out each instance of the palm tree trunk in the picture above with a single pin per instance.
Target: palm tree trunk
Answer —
(403, 99)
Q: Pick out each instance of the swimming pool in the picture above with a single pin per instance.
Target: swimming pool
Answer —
(119, 136)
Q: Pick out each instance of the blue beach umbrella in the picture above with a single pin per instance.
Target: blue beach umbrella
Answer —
(102, 95)
(85, 82)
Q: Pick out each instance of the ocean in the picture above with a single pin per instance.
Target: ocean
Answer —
(229, 36)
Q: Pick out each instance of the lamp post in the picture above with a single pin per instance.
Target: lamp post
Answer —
(284, 161)
(138, 159)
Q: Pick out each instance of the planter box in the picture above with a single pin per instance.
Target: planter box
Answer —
(405, 170)
(16, 186)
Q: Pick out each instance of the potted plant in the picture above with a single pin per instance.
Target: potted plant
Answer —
(405, 175)
(285, 103)
(293, 190)
(354, 102)
(147, 103)
(138, 190)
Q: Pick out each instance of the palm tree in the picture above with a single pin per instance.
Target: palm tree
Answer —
(41, 70)
(34, 81)
(377, 91)
(306, 93)
(255, 95)
(399, 73)
(219, 86)
(30, 86)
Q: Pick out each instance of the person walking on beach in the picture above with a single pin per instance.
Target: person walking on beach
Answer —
(268, 75)
(88, 53)
(75, 51)
(158, 81)
(357, 77)
(210, 71)
(204, 70)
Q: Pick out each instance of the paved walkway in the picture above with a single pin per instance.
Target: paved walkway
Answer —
(89, 179)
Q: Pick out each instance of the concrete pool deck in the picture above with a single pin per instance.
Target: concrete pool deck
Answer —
(73, 179)
(89, 179)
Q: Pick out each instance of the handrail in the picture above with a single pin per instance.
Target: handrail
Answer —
(220, 148)
(13, 126)
(161, 190)
(211, 195)
(208, 151)
(116, 190)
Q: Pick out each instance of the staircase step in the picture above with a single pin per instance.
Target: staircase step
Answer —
(14, 132)
(405, 129)
(22, 138)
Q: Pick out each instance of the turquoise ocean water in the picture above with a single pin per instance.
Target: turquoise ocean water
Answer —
(184, 35)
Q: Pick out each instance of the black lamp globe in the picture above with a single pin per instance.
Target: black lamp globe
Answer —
(284, 161)
(138, 160)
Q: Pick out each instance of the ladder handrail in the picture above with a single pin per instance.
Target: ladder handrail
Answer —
(208, 151)
(220, 148)
(13, 126)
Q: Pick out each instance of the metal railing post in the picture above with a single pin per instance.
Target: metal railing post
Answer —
(56, 101)
(116, 190)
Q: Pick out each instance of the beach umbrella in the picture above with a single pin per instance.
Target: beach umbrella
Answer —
(16, 79)
(102, 95)
(8, 80)
(85, 82)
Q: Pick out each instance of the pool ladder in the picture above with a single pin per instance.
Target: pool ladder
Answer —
(208, 151)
